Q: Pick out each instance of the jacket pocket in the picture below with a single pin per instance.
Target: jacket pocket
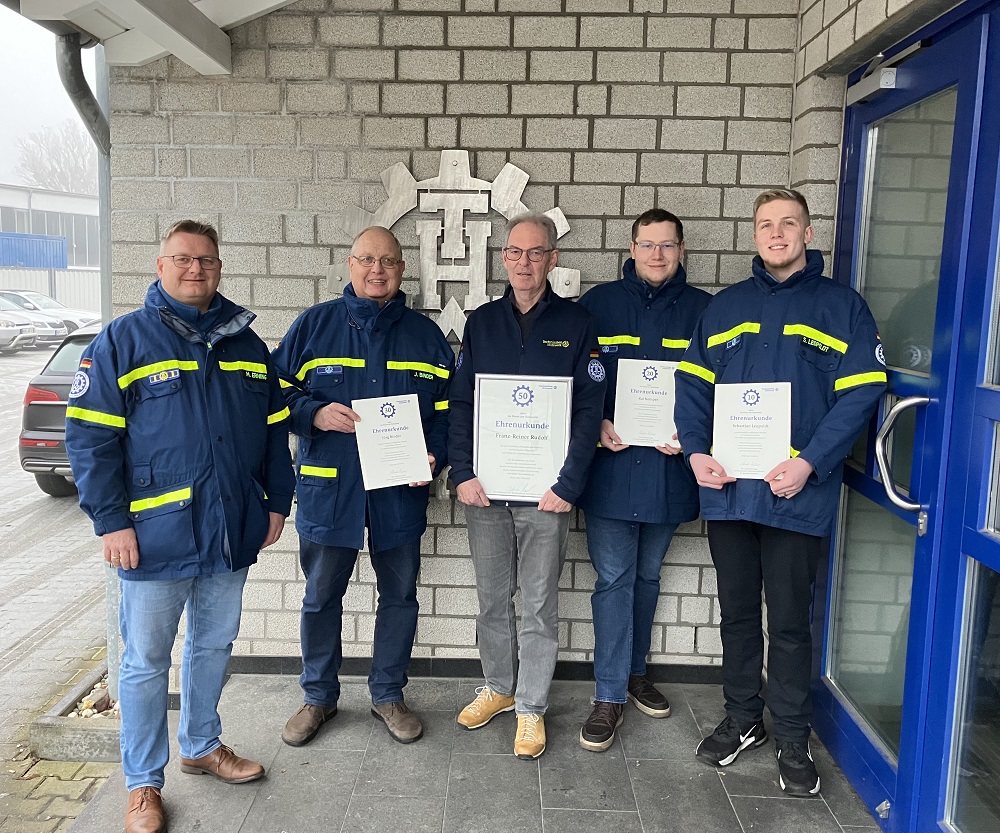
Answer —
(164, 525)
(826, 361)
(317, 487)
(165, 383)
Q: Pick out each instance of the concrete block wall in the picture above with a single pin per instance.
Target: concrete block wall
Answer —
(610, 107)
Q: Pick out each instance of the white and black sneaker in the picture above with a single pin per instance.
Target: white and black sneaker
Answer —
(724, 745)
(796, 770)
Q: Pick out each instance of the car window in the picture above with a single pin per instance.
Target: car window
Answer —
(42, 301)
(67, 357)
(7, 305)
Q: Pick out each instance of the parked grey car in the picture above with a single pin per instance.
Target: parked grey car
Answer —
(49, 328)
(16, 332)
(31, 301)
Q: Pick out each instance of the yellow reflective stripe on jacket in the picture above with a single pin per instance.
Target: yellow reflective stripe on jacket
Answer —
(793, 452)
(176, 496)
(442, 405)
(732, 332)
(634, 340)
(95, 416)
(422, 367)
(318, 471)
(859, 379)
(150, 369)
(253, 367)
(697, 370)
(340, 360)
(284, 413)
(815, 335)
(678, 343)
(282, 383)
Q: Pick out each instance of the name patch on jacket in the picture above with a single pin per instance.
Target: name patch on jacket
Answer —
(815, 345)
(550, 343)
(163, 376)
(256, 375)
(733, 342)
(609, 348)
(421, 374)
(330, 370)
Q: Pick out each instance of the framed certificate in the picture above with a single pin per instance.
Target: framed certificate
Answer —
(644, 402)
(391, 441)
(752, 428)
(521, 433)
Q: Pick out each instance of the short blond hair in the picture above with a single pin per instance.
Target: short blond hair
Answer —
(202, 229)
(782, 194)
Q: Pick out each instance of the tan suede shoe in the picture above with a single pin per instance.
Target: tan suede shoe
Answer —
(225, 765)
(145, 811)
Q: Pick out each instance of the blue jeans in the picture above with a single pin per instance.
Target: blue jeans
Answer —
(328, 571)
(627, 557)
(148, 617)
(518, 547)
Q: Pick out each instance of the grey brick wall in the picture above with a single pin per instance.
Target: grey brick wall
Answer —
(611, 107)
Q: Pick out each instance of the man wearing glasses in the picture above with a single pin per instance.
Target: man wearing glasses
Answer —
(636, 496)
(533, 332)
(364, 344)
(178, 437)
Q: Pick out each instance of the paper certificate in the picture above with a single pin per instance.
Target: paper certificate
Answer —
(644, 402)
(521, 434)
(752, 430)
(391, 441)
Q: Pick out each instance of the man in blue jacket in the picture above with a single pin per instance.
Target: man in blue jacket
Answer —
(177, 434)
(531, 331)
(785, 323)
(364, 344)
(635, 496)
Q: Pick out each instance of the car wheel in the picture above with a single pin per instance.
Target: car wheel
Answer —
(55, 485)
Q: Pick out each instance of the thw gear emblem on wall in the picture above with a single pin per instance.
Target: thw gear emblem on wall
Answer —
(453, 195)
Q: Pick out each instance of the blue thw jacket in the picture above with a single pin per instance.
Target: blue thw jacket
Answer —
(346, 349)
(636, 321)
(559, 343)
(810, 331)
(182, 436)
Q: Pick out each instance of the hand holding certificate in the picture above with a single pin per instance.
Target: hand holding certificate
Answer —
(391, 441)
(521, 434)
(752, 428)
(644, 402)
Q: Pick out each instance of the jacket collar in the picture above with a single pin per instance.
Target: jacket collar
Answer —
(228, 319)
(666, 293)
(543, 302)
(765, 281)
(364, 311)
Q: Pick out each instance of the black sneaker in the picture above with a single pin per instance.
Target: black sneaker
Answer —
(796, 770)
(598, 733)
(646, 698)
(724, 745)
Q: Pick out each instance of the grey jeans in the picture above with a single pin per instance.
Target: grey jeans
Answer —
(512, 547)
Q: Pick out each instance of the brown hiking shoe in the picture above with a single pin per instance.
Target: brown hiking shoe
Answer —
(305, 723)
(145, 811)
(402, 724)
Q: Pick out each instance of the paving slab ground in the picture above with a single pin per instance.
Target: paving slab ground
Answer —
(354, 777)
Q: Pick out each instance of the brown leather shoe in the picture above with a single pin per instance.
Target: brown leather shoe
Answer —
(225, 765)
(145, 811)
(402, 724)
(305, 723)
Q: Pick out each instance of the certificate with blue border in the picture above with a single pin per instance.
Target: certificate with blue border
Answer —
(521, 437)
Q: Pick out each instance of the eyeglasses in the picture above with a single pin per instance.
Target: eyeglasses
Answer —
(647, 247)
(387, 262)
(185, 261)
(513, 254)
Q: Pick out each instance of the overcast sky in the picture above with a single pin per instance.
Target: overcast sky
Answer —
(31, 94)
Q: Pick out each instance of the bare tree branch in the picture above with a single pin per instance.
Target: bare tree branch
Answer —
(61, 158)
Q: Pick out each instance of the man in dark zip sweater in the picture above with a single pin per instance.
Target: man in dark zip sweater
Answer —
(531, 331)
(364, 344)
(636, 496)
(785, 323)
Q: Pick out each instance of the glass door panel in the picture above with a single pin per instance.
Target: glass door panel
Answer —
(871, 615)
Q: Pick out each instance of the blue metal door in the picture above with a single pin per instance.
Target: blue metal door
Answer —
(908, 660)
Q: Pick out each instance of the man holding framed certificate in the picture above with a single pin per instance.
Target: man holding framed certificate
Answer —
(786, 356)
(531, 437)
(639, 488)
(363, 350)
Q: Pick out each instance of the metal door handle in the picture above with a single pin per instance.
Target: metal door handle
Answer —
(882, 457)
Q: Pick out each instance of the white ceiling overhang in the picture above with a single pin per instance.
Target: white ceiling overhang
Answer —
(135, 32)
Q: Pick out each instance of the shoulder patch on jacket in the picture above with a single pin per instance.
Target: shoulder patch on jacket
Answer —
(81, 384)
(596, 370)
